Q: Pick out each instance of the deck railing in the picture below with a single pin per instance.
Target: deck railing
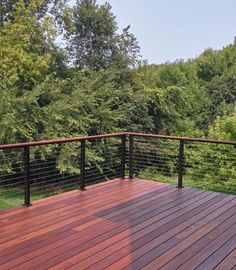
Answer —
(37, 169)
(204, 163)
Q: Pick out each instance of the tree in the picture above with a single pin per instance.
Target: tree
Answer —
(93, 39)
(209, 65)
(26, 58)
(44, 8)
(213, 165)
(6, 7)
(26, 46)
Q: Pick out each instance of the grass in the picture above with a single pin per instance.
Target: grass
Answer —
(10, 197)
(15, 197)
(151, 174)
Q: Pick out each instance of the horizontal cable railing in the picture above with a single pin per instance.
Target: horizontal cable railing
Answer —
(33, 170)
(29, 171)
(203, 163)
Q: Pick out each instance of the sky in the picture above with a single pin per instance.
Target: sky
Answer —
(168, 30)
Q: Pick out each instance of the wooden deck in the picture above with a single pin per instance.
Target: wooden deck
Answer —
(122, 225)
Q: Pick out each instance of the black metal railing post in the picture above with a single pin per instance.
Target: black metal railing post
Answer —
(27, 176)
(181, 164)
(123, 151)
(131, 156)
(82, 165)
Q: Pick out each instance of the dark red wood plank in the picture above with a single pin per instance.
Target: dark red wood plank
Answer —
(167, 237)
(125, 211)
(84, 244)
(201, 249)
(69, 209)
(212, 261)
(173, 250)
(56, 201)
(122, 224)
(228, 262)
(103, 202)
(148, 228)
(160, 245)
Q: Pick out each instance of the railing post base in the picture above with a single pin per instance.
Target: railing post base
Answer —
(27, 205)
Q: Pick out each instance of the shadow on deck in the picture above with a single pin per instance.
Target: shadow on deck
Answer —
(121, 224)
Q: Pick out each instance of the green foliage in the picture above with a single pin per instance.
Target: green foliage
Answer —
(93, 39)
(209, 65)
(14, 197)
(219, 80)
(42, 8)
(25, 47)
(211, 163)
(45, 96)
(151, 173)
(10, 199)
(224, 128)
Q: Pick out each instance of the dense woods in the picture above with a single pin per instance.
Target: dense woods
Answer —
(94, 83)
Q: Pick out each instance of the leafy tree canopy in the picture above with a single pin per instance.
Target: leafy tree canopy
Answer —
(93, 39)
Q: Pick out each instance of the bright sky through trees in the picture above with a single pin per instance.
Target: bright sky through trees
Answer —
(171, 29)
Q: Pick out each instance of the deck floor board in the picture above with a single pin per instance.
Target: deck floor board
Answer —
(122, 224)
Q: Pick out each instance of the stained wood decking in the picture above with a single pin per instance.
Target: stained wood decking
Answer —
(122, 225)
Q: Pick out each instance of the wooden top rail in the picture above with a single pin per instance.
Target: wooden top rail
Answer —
(103, 136)
(181, 138)
(63, 140)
